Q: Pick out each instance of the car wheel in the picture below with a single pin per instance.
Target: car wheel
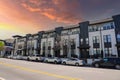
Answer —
(36, 59)
(117, 66)
(28, 59)
(76, 64)
(64, 63)
(97, 65)
(46, 61)
(55, 62)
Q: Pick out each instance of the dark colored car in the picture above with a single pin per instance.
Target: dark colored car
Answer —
(108, 62)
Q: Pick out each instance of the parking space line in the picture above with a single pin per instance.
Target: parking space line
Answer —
(38, 71)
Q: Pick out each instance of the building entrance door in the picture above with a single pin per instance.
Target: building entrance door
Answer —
(84, 53)
(118, 51)
(57, 53)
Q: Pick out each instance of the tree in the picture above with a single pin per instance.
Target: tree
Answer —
(1, 45)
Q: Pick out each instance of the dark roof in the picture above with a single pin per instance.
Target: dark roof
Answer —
(16, 36)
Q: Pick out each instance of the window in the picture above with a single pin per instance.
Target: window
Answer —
(87, 41)
(43, 44)
(107, 38)
(44, 35)
(73, 45)
(81, 40)
(118, 37)
(112, 26)
(50, 35)
(90, 29)
(96, 52)
(76, 31)
(19, 46)
(93, 28)
(49, 43)
(65, 32)
(95, 39)
(108, 52)
(104, 28)
(108, 27)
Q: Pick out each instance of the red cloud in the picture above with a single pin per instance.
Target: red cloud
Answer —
(58, 10)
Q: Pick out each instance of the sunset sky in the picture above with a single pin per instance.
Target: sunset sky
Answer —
(30, 16)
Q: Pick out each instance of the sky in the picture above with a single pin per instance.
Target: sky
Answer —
(20, 17)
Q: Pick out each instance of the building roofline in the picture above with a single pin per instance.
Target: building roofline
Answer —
(16, 36)
(2, 40)
(101, 21)
(70, 26)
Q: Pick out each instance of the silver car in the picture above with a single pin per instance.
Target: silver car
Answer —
(19, 57)
(10, 56)
(34, 57)
(73, 61)
(52, 60)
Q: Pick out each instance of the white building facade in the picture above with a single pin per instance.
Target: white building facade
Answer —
(85, 40)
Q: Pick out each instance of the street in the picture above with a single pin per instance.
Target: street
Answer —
(26, 70)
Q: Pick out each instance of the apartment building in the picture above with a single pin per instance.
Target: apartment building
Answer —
(89, 39)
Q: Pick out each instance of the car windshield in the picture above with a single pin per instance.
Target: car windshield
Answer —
(73, 59)
(38, 55)
(105, 59)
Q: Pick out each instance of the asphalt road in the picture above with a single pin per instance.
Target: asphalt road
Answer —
(24, 70)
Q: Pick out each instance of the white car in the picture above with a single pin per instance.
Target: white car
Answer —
(34, 57)
(19, 57)
(42, 59)
(52, 60)
(24, 57)
(10, 56)
(14, 57)
(73, 61)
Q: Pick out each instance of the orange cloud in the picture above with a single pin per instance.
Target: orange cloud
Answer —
(58, 10)
(30, 8)
(13, 20)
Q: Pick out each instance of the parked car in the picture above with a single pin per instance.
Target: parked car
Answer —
(19, 57)
(10, 56)
(52, 60)
(42, 59)
(14, 56)
(73, 61)
(24, 57)
(108, 62)
(34, 57)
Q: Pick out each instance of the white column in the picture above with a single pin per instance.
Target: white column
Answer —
(46, 51)
(77, 44)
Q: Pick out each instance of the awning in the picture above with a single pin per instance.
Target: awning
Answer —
(83, 47)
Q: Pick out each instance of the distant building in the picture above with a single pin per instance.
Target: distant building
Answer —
(98, 39)
(7, 48)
